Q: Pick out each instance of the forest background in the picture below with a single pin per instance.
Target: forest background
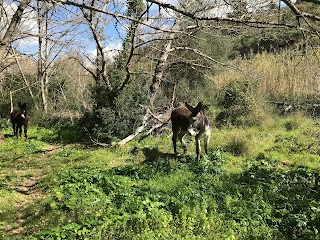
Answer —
(115, 66)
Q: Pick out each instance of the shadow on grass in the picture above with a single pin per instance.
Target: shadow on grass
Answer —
(67, 135)
(153, 154)
(28, 154)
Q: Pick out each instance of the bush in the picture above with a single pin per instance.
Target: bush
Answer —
(240, 105)
(238, 146)
(292, 124)
(114, 121)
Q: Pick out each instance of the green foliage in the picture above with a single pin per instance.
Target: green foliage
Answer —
(253, 43)
(116, 121)
(14, 150)
(191, 81)
(94, 201)
(63, 95)
(143, 191)
(171, 200)
(293, 194)
(240, 105)
(134, 7)
(13, 82)
(292, 124)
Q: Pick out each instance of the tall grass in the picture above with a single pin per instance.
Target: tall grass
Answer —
(286, 75)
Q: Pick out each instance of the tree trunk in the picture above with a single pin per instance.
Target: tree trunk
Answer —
(161, 67)
(15, 21)
(42, 71)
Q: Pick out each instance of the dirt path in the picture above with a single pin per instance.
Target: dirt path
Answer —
(23, 191)
(30, 194)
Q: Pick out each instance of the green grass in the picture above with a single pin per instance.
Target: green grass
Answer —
(255, 183)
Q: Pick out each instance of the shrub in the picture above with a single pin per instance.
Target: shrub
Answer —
(292, 124)
(114, 121)
(240, 106)
(238, 146)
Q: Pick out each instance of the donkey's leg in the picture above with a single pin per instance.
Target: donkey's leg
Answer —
(17, 131)
(183, 143)
(206, 143)
(174, 140)
(25, 129)
(207, 140)
(20, 130)
(14, 129)
(198, 147)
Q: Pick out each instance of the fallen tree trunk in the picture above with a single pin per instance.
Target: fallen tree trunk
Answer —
(137, 132)
(285, 108)
(149, 119)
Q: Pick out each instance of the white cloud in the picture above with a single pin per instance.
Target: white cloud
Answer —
(219, 11)
(110, 51)
(166, 13)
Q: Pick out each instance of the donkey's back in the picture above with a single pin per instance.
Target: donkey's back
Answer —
(180, 119)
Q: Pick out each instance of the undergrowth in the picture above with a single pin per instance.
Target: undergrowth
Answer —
(255, 183)
(185, 200)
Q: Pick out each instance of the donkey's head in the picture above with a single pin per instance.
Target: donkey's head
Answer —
(195, 110)
(194, 118)
(23, 110)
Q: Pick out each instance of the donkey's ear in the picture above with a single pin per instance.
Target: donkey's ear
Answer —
(24, 105)
(199, 107)
(189, 107)
(19, 104)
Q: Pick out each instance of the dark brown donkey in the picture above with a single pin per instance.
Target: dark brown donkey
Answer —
(20, 118)
(194, 121)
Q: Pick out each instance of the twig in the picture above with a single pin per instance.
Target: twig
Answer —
(95, 141)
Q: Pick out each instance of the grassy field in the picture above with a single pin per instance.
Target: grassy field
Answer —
(256, 183)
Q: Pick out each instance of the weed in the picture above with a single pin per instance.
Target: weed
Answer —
(292, 124)
(238, 146)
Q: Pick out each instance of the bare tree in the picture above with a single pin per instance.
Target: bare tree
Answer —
(9, 36)
(54, 36)
(10, 33)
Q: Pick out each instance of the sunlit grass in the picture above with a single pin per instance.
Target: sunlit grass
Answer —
(146, 173)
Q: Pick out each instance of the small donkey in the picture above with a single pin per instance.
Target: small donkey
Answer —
(193, 121)
(19, 118)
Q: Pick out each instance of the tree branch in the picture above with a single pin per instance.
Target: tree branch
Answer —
(204, 56)
(298, 13)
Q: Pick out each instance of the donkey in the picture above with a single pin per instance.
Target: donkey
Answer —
(19, 118)
(194, 121)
